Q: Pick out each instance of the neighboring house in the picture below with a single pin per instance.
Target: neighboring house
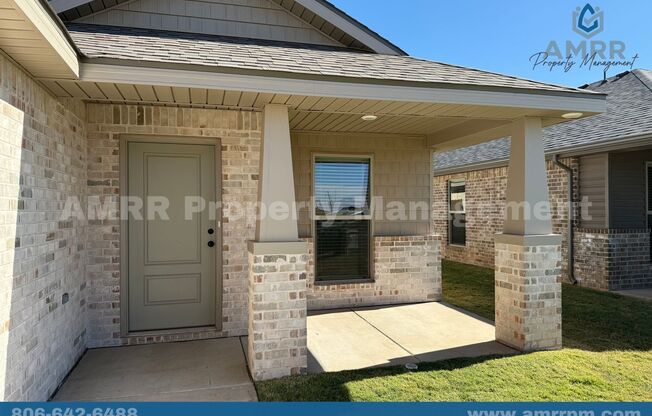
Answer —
(241, 104)
(611, 158)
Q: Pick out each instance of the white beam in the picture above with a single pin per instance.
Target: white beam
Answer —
(468, 134)
(527, 209)
(276, 182)
(585, 103)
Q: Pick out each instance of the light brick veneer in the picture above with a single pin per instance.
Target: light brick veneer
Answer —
(42, 255)
(406, 270)
(277, 315)
(528, 296)
(239, 133)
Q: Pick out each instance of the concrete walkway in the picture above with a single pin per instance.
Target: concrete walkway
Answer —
(645, 294)
(210, 370)
(395, 335)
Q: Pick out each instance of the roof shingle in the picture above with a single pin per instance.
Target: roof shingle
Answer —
(123, 43)
(629, 113)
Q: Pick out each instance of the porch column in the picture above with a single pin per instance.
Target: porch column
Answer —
(528, 254)
(277, 262)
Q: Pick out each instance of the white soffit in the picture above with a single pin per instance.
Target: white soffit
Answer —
(30, 36)
(92, 72)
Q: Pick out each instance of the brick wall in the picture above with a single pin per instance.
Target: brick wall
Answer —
(407, 269)
(239, 132)
(485, 207)
(277, 343)
(42, 283)
(613, 259)
(528, 296)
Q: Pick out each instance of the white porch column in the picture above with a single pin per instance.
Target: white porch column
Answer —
(277, 262)
(528, 255)
(276, 177)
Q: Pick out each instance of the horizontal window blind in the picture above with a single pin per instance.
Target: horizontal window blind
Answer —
(341, 187)
(342, 249)
(342, 222)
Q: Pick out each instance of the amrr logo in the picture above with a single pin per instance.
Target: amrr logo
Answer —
(588, 21)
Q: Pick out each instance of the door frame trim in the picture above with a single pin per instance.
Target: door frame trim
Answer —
(124, 140)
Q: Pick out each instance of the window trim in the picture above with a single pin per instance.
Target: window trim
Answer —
(314, 217)
(451, 212)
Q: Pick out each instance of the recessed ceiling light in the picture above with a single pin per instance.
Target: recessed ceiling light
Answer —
(369, 117)
(571, 116)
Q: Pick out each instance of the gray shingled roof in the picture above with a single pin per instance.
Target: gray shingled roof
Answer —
(131, 44)
(629, 113)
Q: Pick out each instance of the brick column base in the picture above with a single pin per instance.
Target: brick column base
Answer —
(277, 310)
(528, 291)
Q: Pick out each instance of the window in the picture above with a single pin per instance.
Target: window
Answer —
(342, 218)
(457, 212)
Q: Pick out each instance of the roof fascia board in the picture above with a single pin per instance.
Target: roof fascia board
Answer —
(61, 6)
(611, 145)
(101, 72)
(348, 25)
(38, 15)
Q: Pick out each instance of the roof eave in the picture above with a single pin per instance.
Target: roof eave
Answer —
(45, 47)
(198, 76)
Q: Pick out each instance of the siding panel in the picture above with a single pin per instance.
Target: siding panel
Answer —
(400, 173)
(593, 187)
(258, 19)
(627, 179)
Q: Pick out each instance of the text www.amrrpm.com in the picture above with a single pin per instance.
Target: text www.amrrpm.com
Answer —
(553, 413)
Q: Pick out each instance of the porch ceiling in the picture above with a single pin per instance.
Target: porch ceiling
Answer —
(310, 113)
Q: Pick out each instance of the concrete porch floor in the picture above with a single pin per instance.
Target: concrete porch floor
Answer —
(216, 370)
(357, 338)
(195, 371)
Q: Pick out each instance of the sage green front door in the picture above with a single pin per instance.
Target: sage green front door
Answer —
(172, 257)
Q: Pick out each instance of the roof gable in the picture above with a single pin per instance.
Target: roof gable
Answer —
(305, 21)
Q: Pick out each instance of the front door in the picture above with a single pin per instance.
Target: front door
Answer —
(172, 247)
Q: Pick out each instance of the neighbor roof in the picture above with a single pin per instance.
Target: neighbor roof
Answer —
(629, 114)
(229, 53)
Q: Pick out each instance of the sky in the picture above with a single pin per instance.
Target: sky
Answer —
(502, 35)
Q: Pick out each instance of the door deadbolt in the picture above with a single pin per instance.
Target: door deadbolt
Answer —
(211, 231)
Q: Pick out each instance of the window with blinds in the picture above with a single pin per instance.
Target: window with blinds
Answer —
(342, 215)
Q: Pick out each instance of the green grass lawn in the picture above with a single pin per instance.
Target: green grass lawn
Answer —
(607, 357)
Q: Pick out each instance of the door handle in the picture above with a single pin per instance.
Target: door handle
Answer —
(211, 244)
